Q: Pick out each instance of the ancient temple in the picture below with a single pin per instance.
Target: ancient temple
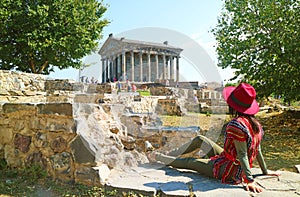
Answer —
(139, 61)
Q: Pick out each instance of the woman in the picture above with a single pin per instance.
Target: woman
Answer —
(243, 135)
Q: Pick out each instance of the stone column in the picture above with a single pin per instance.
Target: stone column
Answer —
(115, 66)
(106, 69)
(171, 68)
(164, 66)
(103, 71)
(111, 68)
(124, 66)
(149, 67)
(167, 67)
(119, 70)
(177, 68)
(156, 63)
(132, 66)
(141, 64)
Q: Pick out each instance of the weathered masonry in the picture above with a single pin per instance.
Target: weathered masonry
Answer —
(138, 61)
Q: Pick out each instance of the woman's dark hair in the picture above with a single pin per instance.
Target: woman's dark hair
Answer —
(253, 121)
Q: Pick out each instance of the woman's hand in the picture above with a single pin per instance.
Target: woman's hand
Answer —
(253, 187)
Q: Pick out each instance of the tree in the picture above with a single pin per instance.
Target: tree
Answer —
(260, 39)
(37, 35)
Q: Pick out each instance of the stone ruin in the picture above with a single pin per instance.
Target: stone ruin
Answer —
(80, 132)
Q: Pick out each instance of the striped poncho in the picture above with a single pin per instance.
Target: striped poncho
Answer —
(241, 130)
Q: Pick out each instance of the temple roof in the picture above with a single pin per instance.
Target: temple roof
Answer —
(113, 46)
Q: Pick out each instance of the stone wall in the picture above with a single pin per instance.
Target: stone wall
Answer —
(79, 132)
(208, 101)
(54, 123)
(18, 87)
(38, 133)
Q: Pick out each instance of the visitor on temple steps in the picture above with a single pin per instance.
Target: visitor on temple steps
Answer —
(243, 135)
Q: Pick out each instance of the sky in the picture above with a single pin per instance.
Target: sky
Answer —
(193, 19)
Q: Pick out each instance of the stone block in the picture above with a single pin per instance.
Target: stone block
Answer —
(61, 162)
(18, 125)
(40, 140)
(22, 142)
(36, 158)
(58, 84)
(33, 123)
(56, 124)
(16, 93)
(83, 98)
(29, 93)
(193, 107)
(160, 91)
(1, 152)
(104, 88)
(14, 107)
(58, 145)
(4, 99)
(56, 108)
(12, 156)
(4, 92)
(87, 175)
(81, 151)
(4, 121)
(6, 135)
(168, 107)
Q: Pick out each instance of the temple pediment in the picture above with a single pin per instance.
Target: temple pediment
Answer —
(113, 46)
(110, 47)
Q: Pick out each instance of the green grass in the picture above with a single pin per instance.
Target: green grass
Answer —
(33, 181)
(144, 92)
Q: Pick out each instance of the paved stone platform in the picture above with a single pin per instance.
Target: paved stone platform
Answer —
(160, 180)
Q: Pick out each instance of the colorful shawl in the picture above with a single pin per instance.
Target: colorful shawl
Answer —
(237, 129)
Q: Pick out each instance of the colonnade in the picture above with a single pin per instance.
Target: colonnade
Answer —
(140, 66)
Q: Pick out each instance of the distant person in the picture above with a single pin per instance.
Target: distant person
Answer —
(93, 80)
(128, 85)
(167, 83)
(133, 87)
(82, 79)
(196, 98)
(119, 86)
(243, 135)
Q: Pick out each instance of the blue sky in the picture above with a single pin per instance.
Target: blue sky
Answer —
(193, 18)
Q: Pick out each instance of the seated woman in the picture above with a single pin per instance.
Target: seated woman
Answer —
(243, 135)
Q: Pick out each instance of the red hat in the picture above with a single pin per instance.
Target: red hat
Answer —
(241, 98)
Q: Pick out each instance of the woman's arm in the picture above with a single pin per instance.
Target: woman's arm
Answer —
(241, 149)
(261, 161)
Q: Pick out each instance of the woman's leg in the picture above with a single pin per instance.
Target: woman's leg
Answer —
(209, 147)
(203, 166)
